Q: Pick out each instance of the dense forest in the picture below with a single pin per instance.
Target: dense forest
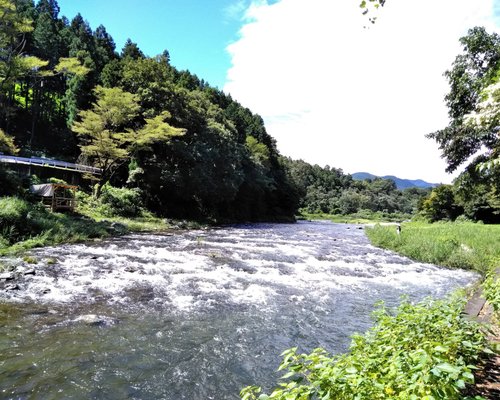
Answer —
(181, 148)
(186, 147)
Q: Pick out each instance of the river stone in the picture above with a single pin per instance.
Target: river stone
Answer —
(12, 287)
(30, 271)
(8, 276)
(95, 320)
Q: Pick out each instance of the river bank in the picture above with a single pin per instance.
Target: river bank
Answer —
(25, 225)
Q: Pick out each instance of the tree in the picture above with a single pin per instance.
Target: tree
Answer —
(131, 50)
(441, 204)
(13, 61)
(472, 72)
(46, 36)
(472, 137)
(107, 133)
(486, 118)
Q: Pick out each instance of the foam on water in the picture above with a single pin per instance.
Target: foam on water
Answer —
(250, 265)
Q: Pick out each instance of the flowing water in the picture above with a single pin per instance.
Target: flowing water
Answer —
(196, 314)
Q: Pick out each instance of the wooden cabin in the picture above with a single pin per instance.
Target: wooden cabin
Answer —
(56, 196)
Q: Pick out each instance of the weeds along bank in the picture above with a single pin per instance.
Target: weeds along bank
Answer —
(464, 245)
(422, 351)
(25, 224)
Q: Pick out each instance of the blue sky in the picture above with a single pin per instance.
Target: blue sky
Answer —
(195, 32)
(330, 91)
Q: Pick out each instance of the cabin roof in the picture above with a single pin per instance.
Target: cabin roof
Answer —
(48, 189)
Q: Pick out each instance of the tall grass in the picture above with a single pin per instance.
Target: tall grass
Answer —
(455, 245)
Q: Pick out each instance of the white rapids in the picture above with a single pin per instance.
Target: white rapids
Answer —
(195, 314)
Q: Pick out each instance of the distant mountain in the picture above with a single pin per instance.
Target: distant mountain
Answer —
(400, 183)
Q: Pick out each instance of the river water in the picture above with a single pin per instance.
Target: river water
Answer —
(196, 314)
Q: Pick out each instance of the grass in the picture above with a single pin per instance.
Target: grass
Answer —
(24, 225)
(363, 217)
(464, 245)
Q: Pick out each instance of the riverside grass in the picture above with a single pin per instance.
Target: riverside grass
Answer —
(465, 245)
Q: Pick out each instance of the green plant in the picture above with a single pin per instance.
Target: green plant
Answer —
(30, 259)
(422, 351)
(491, 286)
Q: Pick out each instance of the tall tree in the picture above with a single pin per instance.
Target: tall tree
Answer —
(472, 72)
(131, 50)
(108, 137)
(13, 62)
(472, 136)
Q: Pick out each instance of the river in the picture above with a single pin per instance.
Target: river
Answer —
(196, 314)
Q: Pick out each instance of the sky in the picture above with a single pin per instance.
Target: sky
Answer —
(332, 88)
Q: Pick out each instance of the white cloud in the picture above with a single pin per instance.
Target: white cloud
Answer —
(332, 92)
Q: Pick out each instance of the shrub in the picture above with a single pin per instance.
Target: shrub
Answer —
(10, 183)
(421, 352)
(121, 202)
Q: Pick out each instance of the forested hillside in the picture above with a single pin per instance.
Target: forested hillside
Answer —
(330, 191)
(189, 149)
(181, 148)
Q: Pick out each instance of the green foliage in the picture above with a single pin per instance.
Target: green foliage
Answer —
(422, 351)
(441, 204)
(491, 287)
(7, 145)
(114, 202)
(472, 134)
(24, 225)
(71, 65)
(128, 106)
(456, 245)
(330, 191)
(107, 138)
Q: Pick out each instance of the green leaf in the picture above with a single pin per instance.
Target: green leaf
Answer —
(448, 368)
(351, 370)
(441, 349)
(460, 384)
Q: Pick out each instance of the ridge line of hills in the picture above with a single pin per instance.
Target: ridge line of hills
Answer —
(400, 182)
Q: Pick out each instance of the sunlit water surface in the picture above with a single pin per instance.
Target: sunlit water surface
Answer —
(195, 315)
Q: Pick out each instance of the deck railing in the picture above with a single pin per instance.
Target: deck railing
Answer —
(48, 163)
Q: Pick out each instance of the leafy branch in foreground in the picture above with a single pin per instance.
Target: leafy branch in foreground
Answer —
(423, 351)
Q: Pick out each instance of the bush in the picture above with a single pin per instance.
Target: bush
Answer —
(10, 183)
(13, 219)
(421, 352)
(121, 202)
(114, 202)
